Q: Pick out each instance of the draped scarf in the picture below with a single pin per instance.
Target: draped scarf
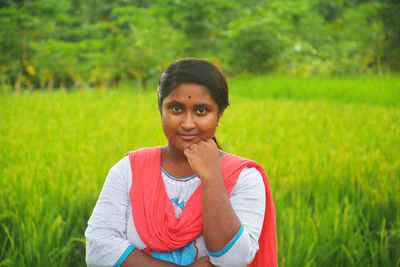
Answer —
(154, 214)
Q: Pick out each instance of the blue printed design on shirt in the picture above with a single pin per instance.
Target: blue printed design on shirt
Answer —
(179, 204)
(181, 256)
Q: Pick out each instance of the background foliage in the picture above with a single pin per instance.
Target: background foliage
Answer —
(327, 136)
(330, 147)
(72, 44)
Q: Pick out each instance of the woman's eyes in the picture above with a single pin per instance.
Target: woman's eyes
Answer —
(175, 108)
(178, 109)
(201, 110)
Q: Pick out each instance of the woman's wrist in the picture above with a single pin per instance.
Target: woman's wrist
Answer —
(212, 178)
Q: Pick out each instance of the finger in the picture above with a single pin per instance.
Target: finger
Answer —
(193, 146)
(186, 152)
(203, 143)
(211, 142)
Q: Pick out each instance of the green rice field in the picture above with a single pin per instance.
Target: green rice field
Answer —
(330, 147)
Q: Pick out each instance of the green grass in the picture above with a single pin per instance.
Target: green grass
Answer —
(381, 90)
(332, 155)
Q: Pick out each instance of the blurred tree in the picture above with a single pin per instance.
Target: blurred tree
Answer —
(15, 34)
(143, 43)
(359, 39)
(201, 21)
(253, 43)
(71, 43)
(390, 15)
(305, 38)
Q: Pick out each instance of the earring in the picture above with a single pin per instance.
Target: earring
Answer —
(217, 124)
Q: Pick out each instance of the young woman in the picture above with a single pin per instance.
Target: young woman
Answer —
(189, 202)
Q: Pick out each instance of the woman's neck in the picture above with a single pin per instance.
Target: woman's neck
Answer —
(171, 154)
(175, 162)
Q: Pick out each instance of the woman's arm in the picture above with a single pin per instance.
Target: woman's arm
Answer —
(248, 201)
(220, 222)
(231, 226)
(106, 240)
(106, 234)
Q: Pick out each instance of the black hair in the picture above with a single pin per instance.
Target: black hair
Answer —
(199, 71)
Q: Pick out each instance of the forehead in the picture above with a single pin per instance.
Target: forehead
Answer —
(190, 92)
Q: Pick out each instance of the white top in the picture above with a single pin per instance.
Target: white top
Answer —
(111, 234)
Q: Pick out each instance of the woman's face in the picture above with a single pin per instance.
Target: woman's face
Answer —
(189, 115)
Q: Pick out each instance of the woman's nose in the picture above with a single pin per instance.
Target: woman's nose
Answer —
(188, 122)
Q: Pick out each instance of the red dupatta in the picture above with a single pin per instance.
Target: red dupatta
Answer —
(154, 214)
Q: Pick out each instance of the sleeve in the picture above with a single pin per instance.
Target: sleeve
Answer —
(106, 242)
(248, 201)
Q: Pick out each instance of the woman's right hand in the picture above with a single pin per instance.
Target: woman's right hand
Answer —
(202, 262)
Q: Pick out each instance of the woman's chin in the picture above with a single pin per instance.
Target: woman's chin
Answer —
(181, 146)
(185, 145)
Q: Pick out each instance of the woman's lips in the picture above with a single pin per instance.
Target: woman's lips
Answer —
(188, 137)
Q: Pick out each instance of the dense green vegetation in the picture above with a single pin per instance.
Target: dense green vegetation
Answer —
(330, 147)
(74, 44)
(324, 124)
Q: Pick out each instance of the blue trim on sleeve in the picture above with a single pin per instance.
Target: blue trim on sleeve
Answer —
(124, 255)
(225, 249)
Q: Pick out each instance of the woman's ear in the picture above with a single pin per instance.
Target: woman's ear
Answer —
(220, 115)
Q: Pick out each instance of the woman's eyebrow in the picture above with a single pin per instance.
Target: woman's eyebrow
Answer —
(173, 102)
(202, 105)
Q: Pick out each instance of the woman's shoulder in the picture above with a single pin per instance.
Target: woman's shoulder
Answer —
(249, 171)
(122, 167)
(249, 184)
(239, 161)
(124, 164)
(145, 154)
(145, 150)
